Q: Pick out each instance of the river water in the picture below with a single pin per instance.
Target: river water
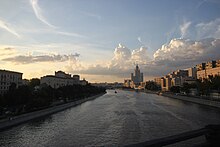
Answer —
(114, 119)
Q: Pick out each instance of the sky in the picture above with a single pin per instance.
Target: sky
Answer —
(102, 40)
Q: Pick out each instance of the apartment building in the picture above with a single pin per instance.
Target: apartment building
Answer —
(204, 70)
(61, 79)
(7, 78)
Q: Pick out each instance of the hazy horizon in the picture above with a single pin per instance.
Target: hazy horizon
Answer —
(103, 40)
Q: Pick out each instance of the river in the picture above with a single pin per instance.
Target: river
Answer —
(114, 119)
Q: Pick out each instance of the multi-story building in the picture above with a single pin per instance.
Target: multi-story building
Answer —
(137, 77)
(158, 81)
(62, 74)
(205, 70)
(201, 71)
(136, 80)
(192, 72)
(127, 83)
(200, 66)
(177, 81)
(180, 73)
(165, 83)
(177, 78)
(61, 79)
(7, 78)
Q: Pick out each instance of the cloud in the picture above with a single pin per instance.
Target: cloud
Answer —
(140, 55)
(70, 34)
(38, 13)
(193, 30)
(8, 28)
(140, 40)
(201, 3)
(124, 58)
(184, 28)
(186, 52)
(209, 29)
(122, 63)
(121, 53)
(27, 59)
(92, 15)
(178, 53)
(7, 51)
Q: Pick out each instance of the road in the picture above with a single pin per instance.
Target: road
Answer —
(114, 119)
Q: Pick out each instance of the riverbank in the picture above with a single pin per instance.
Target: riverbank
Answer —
(193, 100)
(16, 120)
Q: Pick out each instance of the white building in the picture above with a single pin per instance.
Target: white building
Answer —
(7, 78)
(62, 79)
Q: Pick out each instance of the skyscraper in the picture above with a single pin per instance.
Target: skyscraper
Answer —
(137, 77)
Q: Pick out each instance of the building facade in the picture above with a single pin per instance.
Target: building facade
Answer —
(192, 72)
(205, 70)
(137, 77)
(127, 83)
(7, 78)
(136, 80)
(190, 75)
(61, 79)
(158, 81)
(177, 78)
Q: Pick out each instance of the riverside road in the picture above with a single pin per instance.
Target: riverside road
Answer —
(114, 119)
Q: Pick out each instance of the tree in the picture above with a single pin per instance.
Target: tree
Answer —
(150, 85)
(204, 86)
(34, 82)
(10, 95)
(215, 82)
(23, 95)
(186, 87)
(175, 89)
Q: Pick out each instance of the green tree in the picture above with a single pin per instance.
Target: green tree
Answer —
(215, 82)
(34, 82)
(151, 85)
(175, 89)
(186, 87)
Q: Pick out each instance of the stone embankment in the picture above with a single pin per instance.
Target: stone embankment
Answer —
(194, 100)
(16, 120)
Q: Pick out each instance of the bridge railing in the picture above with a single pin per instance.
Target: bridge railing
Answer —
(211, 132)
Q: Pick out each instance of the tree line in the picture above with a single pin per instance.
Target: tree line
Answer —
(204, 87)
(35, 96)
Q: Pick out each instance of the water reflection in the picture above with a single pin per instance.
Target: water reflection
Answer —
(113, 119)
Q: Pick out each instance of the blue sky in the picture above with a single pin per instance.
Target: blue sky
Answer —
(83, 36)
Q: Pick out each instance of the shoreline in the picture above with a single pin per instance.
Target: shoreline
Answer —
(200, 101)
(195, 100)
(16, 120)
(205, 102)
